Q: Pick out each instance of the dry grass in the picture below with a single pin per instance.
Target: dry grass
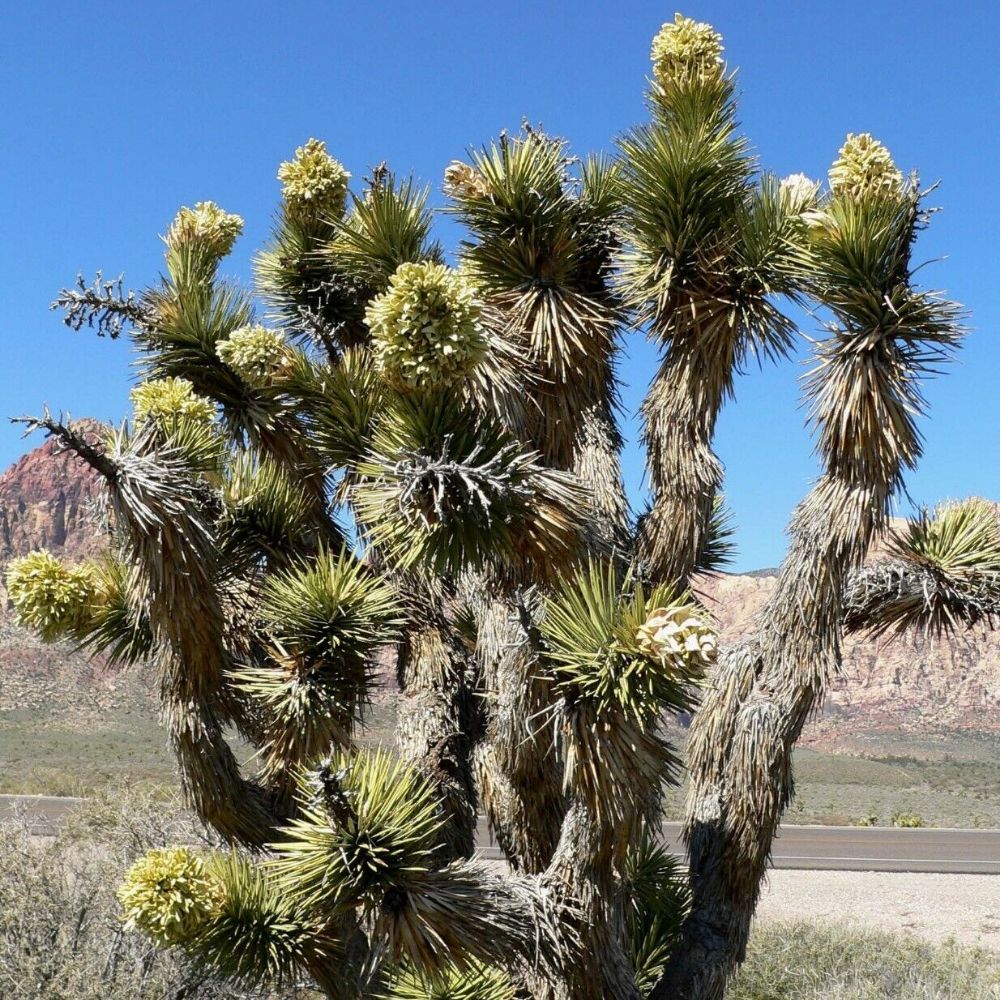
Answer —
(60, 932)
(803, 961)
(61, 937)
(952, 779)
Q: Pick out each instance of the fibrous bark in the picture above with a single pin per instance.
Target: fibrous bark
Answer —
(437, 725)
(749, 721)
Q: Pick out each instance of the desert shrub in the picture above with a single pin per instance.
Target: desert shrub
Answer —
(907, 819)
(61, 934)
(802, 961)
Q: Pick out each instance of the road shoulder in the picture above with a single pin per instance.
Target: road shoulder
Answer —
(965, 908)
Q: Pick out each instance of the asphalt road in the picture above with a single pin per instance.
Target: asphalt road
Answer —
(818, 848)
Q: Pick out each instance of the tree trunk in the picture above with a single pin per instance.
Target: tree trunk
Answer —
(436, 729)
(679, 416)
(583, 873)
(743, 734)
(516, 763)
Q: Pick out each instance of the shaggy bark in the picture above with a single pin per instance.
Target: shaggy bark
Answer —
(749, 721)
(516, 763)
(583, 869)
(679, 417)
(597, 464)
(436, 729)
(164, 529)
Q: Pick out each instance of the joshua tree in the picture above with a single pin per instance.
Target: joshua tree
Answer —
(422, 457)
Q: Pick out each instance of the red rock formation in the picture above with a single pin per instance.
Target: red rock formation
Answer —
(46, 502)
(912, 681)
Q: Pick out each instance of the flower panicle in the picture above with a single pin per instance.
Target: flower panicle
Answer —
(314, 184)
(164, 400)
(799, 193)
(254, 352)
(864, 167)
(426, 326)
(169, 894)
(464, 182)
(52, 599)
(685, 49)
(677, 633)
(207, 227)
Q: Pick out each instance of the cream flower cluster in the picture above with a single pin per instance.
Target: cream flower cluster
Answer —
(314, 184)
(676, 633)
(255, 352)
(166, 399)
(685, 49)
(205, 225)
(464, 181)
(48, 597)
(425, 326)
(863, 167)
(169, 894)
(799, 193)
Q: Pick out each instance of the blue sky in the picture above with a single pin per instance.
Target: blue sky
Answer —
(117, 114)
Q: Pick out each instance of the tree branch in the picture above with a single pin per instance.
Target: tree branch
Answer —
(102, 305)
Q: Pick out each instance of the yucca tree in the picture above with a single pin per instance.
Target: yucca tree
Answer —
(378, 449)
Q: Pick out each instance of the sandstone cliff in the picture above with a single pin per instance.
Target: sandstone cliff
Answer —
(46, 501)
(913, 681)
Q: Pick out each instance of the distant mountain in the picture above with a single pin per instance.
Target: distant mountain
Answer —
(46, 502)
(47, 498)
(912, 681)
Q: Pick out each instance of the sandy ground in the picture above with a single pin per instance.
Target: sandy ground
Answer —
(936, 907)
(963, 908)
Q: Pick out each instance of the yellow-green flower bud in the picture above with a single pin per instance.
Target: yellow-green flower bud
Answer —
(169, 895)
(52, 599)
(314, 184)
(255, 352)
(425, 326)
(167, 399)
(206, 225)
(676, 633)
(464, 181)
(685, 49)
(864, 167)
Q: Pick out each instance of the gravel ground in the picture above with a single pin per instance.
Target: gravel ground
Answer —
(937, 907)
(963, 908)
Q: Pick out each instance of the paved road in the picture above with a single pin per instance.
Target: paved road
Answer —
(831, 848)
(859, 849)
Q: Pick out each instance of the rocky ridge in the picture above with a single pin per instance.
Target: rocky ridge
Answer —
(47, 500)
(913, 681)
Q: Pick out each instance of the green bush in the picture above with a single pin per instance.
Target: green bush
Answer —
(907, 819)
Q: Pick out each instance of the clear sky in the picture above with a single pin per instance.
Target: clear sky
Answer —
(114, 115)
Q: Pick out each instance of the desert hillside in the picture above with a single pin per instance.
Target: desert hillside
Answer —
(911, 681)
(47, 501)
